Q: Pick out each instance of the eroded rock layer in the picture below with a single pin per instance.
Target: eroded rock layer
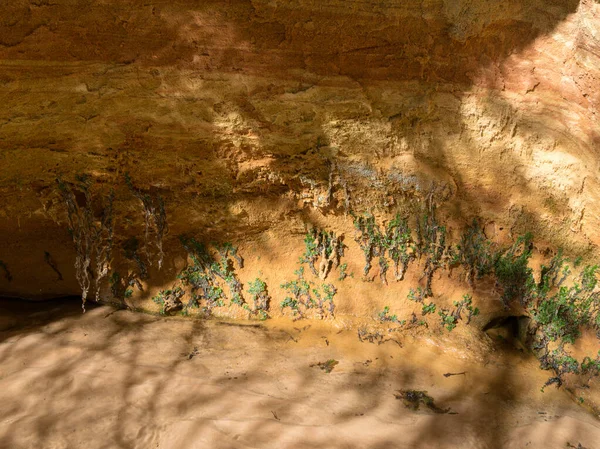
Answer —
(249, 120)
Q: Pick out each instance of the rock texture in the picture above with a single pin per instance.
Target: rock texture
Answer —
(255, 118)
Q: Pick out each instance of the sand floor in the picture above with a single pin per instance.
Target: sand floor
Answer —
(116, 379)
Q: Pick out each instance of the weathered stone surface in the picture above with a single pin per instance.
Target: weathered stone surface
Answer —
(236, 111)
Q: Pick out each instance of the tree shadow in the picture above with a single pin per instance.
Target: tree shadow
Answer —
(234, 103)
(297, 81)
(118, 379)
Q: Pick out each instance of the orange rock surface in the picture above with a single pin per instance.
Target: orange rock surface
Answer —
(237, 112)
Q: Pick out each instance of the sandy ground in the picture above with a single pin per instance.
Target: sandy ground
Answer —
(117, 379)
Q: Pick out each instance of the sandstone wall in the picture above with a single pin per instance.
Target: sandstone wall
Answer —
(238, 113)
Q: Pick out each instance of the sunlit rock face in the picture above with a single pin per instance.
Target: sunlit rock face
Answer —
(243, 114)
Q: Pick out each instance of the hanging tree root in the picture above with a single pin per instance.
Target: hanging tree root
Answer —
(7, 274)
(155, 218)
(395, 240)
(324, 248)
(92, 239)
(431, 240)
(50, 261)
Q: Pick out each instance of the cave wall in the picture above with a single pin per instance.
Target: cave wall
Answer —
(239, 112)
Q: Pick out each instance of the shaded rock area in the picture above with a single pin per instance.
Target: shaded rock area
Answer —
(393, 168)
(250, 120)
